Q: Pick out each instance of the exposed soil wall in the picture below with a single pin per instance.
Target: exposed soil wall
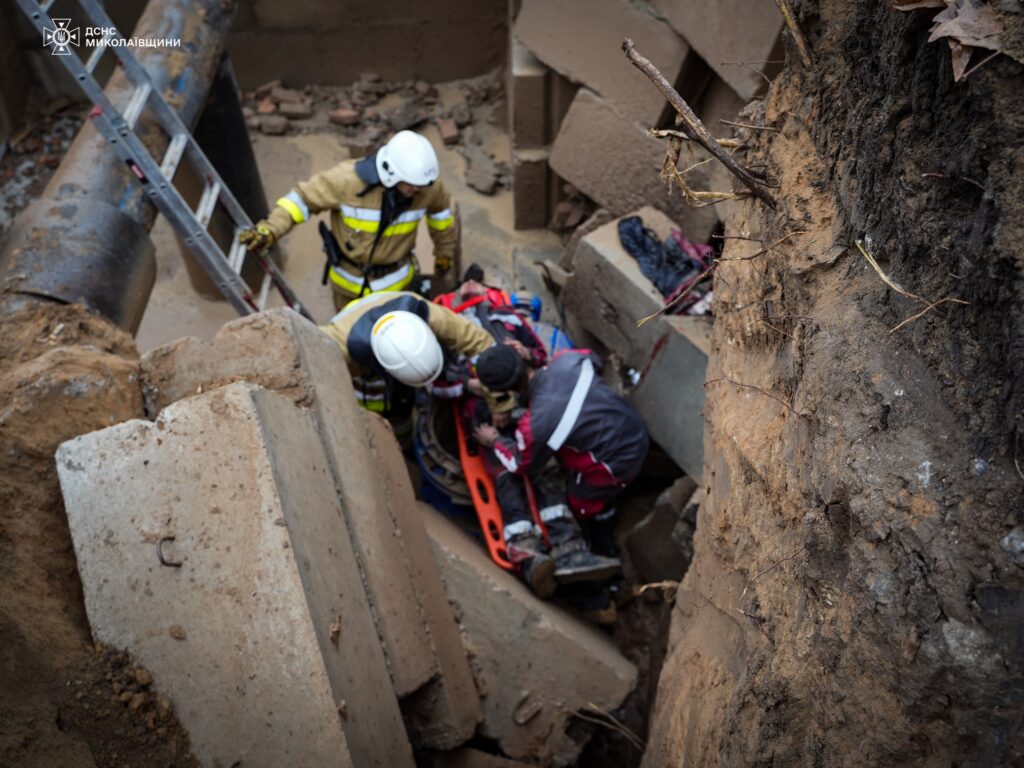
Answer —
(858, 588)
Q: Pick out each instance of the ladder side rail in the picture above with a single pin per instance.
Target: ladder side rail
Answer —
(171, 204)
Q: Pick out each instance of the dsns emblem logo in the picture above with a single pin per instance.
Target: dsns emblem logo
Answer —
(60, 37)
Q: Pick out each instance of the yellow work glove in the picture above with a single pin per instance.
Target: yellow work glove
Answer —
(258, 238)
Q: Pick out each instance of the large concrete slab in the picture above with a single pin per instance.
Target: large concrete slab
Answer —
(535, 664)
(675, 374)
(262, 636)
(445, 711)
(613, 160)
(582, 39)
(607, 294)
(736, 31)
(280, 350)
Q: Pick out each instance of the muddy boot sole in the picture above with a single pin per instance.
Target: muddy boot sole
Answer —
(573, 574)
(540, 577)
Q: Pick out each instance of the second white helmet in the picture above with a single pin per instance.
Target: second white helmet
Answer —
(406, 348)
(407, 157)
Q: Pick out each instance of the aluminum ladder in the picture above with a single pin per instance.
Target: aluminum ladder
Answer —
(119, 127)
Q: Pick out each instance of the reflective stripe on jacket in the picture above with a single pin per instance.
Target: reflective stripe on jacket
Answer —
(355, 218)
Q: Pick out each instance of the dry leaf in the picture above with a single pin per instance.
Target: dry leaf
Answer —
(964, 24)
(334, 632)
(969, 23)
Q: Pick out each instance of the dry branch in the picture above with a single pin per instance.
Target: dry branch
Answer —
(668, 133)
(749, 125)
(764, 250)
(592, 713)
(778, 400)
(929, 305)
(695, 129)
(794, 30)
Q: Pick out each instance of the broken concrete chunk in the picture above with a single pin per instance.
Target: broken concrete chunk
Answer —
(596, 29)
(462, 115)
(255, 679)
(285, 95)
(266, 107)
(296, 110)
(414, 620)
(612, 159)
(481, 180)
(537, 664)
(656, 552)
(607, 294)
(675, 373)
(274, 125)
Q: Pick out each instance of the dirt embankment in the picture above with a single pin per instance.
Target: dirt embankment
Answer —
(858, 587)
(63, 372)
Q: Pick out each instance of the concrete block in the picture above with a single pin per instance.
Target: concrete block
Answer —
(608, 294)
(528, 98)
(445, 711)
(535, 664)
(531, 181)
(675, 373)
(281, 351)
(262, 637)
(657, 547)
(614, 161)
(729, 31)
(582, 39)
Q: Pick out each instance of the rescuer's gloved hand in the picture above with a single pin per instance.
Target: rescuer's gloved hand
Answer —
(258, 238)
(442, 264)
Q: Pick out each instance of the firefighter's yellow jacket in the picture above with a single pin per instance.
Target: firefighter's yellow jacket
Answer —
(355, 208)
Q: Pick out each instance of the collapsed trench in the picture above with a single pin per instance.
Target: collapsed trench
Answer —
(84, 715)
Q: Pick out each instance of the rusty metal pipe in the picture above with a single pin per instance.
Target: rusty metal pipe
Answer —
(87, 237)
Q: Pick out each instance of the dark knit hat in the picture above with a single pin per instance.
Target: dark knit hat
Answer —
(500, 368)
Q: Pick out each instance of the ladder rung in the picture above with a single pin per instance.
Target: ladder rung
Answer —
(95, 56)
(207, 202)
(173, 156)
(236, 257)
(261, 302)
(137, 104)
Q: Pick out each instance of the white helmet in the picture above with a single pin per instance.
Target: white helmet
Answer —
(407, 157)
(406, 348)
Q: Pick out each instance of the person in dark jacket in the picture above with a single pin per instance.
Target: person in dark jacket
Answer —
(574, 416)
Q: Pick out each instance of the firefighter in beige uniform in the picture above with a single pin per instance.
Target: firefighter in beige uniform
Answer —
(376, 204)
(396, 342)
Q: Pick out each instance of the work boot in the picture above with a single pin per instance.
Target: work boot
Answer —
(601, 530)
(536, 566)
(573, 559)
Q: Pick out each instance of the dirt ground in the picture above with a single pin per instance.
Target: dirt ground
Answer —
(857, 590)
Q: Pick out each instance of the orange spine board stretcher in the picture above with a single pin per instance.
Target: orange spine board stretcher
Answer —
(481, 490)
